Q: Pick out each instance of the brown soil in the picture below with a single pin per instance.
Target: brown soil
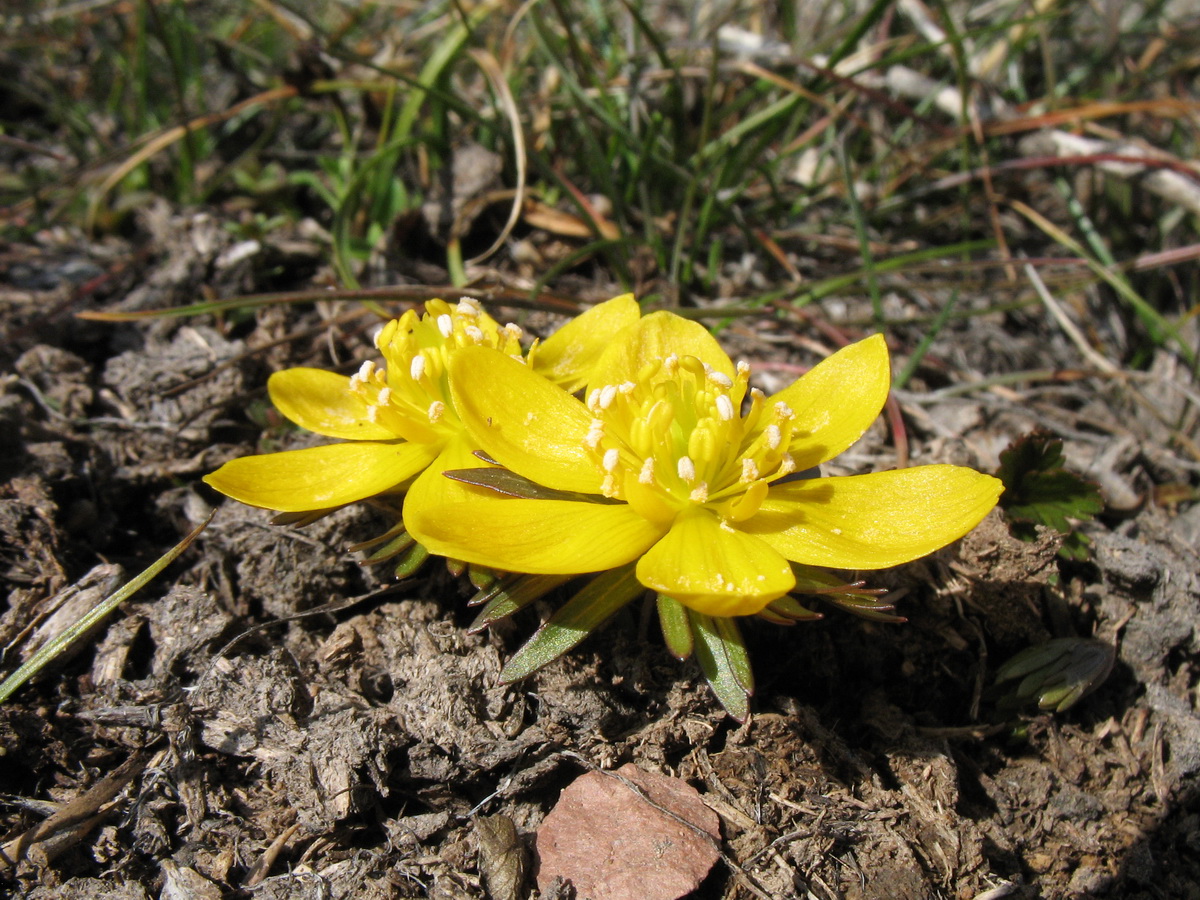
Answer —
(208, 742)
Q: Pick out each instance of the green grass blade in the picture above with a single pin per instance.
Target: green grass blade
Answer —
(96, 614)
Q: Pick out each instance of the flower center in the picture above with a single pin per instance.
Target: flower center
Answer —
(676, 437)
(410, 393)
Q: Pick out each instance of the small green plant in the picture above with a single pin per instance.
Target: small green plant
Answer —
(1038, 490)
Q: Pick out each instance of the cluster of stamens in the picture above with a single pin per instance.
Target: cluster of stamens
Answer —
(409, 394)
(678, 431)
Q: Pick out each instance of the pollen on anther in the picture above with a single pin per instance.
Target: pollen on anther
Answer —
(474, 333)
(612, 458)
(773, 436)
(699, 493)
(437, 409)
(365, 370)
(750, 471)
(594, 435)
(445, 325)
(787, 465)
(783, 411)
(724, 408)
(646, 476)
(743, 368)
(607, 394)
(373, 414)
(627, 387)
(385, 396)
(417, 367)
(686, 469)
(469, 306)
(719, 378)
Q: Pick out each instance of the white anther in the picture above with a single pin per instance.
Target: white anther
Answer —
(787, 466)
(513, 330)
(686, 469)
(365, 370)
(783, 411)
(373, 414)
(608, 394)
(469, 306)
(749, 471)
(385, 396)
(724, 408)
(772, 436)
(756, 394)
(612, 458)
(445, 325)
(699, 493)
(437, 409)
(627, 387)
(417, 367)
(743, 368)
(646, 476)
(474, 333)
(595, 434)
(720, 378)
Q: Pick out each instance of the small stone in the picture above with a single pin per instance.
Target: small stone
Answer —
(614, 843)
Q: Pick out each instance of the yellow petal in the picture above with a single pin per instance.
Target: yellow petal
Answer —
(651, 339)
(321, 401)
(568, 356)
(714, 569)
(522, 420)
(540, 537)
(837, 400)
(874, 521)
(319, 477)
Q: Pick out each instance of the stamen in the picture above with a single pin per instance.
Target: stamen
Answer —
(743, 368)
(595, 434)
(772, 436)
(612, 458)
(469, 306)
(719, 378)
(437, 409)
(783, 411)
(749, 471)
(699, 493)
(686, 470)
(646, 476)
(607, 394)
(724, 408)
(513, 330)
(365, 370)
(373, 414)
(385, 396)
(787, 466)
(417, 367)
(445, 325)
(627, 387)
(474, 333)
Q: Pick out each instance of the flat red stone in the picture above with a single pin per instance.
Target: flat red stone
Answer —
(614, 845)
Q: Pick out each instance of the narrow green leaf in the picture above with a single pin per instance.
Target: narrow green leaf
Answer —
(502, 481)
(410, 560)
(716, 658)
(591, 607)
(677, 632)
(510, 594)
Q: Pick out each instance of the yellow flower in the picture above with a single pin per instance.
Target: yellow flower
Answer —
(398, 420)
(675, 463)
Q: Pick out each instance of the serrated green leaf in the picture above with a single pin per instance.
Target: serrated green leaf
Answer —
(1037, 489)
(677, 631)
(594, 605)
(722, 656)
